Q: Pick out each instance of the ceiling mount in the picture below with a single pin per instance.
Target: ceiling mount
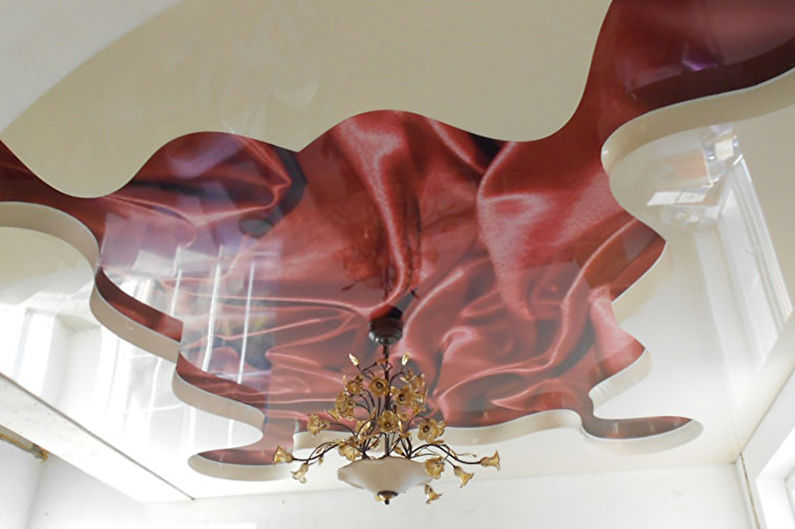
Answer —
(387, 330)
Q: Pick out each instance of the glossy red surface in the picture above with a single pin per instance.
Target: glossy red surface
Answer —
(504, 256)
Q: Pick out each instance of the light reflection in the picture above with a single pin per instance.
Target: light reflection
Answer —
(708, 193)
(55, 348)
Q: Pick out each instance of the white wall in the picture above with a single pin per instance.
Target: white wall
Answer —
(769, 455)
(769, 458)
(19, 473)
(697, 497)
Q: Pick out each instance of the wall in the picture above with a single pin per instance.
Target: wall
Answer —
(769, 459)
(698, 497)
(769, 455)
(20, 473)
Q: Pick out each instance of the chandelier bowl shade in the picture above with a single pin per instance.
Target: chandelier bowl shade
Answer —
(385, 475)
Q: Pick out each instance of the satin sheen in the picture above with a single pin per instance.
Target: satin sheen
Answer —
(505, 256)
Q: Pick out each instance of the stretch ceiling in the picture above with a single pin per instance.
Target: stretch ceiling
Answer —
(265, 264)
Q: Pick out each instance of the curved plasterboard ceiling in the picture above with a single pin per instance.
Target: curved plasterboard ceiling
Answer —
(697, 373)
(286, 72)
(683, 369)
(561, 422)
(42, 42)
(758, 122)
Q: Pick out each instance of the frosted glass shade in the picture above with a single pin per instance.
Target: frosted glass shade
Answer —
(387, 476)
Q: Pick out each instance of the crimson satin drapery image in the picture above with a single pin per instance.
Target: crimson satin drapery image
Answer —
(505, 257)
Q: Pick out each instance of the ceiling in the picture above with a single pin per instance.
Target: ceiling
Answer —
(250, 205)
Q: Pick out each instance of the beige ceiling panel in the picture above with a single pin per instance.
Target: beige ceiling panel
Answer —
(286, 71)
(42, 41)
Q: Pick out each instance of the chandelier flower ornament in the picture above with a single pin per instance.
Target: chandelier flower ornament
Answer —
(393, 442)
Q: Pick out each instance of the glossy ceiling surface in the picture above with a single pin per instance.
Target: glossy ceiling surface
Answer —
(265, 265)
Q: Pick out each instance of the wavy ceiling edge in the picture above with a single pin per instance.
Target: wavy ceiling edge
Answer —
(740, 104)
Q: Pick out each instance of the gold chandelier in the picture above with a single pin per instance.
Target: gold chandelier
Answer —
(393, 444)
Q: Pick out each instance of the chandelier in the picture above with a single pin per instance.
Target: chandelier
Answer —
(393, 443)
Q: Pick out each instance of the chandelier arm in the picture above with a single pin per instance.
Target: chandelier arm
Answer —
(361, 427)
(400, 373)
(428, 453)
(412, 419)
(323, 449)
(319, 451)
(364, 406)
(446, 450)
(396, 375)
(405, 444)
(377, 437)
(380, 408)
(402, 442)
(367, 369)
(319, 454)
(337, 423)
(420, 415)
(369, 444)
(367, 397)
